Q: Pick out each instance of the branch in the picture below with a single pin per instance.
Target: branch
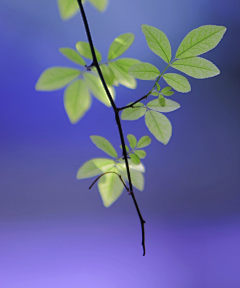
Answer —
(117, 118)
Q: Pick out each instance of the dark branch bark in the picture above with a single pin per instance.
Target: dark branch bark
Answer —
(131, 105)
(116, 111)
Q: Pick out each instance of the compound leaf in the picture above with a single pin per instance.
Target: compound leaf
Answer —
(77, 100)
(104, 145)
(158, 42)
(122, 76)
(200, 41)
(159, 126)
(120, 45)
(132, 140)
(144, 141)
(73, 56)
(177, 82)
(83, 49)
(169, 106)
(55, 78)
(196, 67)
(95, 167)
(144, 71)
(133, 113)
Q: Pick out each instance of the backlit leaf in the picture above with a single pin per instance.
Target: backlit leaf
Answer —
(133, 113)
(127, 149)
(177, 82)
(166, 89)
(135, 159)
(140, 153)
(144, 141)
(55, 78)
(169, 106)
(161, 100)
(73, 56)
(132, 141)
(120, 45)
(158, 86)
(158, 42)
(169, 93)
(67, 8)
(84, 49)
(144, 71)
(100, 5)
(200, 41)
(159, 126)
(122, 76)
(77, 100)
(196, 67)
(107, 74)
(95, 167)
(104, 145)
(126, 63)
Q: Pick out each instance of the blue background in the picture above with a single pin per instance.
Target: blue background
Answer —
(54, 232)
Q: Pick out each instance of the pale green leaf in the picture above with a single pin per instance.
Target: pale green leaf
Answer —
(144, 71)
(126, 63)
(122, 76)
(120, 45)
(107, 74)
(55, 78)
(95, 167)
(177, 82)
(166, 89)
(196, 67)
(133, 113)
(200, 41)
(132, 140)
(158, 42)
(67, 8)
(140, 153)
(144, 141)
(100, 5)
(158, 86)
(73, 56)
(136, 176)
(94, 84)
(135, 159)
(110, 187)
(169, 93)
(154, 93)
(161, 100)
(127, 149)
(159, 126)
(104, 145)
(77, 100)
(140, 167)
(84, 49)
(169, 106)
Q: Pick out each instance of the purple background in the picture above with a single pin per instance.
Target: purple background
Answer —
(54, 232)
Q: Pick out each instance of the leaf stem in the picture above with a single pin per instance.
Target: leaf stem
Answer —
(117, 118)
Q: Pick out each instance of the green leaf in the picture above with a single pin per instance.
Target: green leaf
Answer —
(169, 105)
(95, 167)
(127, 149)
(67, 8)
(132, 140)
(140, 153)
(73, 56)
(136, 176)
(107, 74)
(133, 113)
(135, 159)
(158, 42)
(110, 187)
(158, 86)
(196, 67)
(140, 167)
(159, 126)
(94, 84)
(55, 78)
(120, 45)
(161, 100)
(100, 5)
(122, 76)
(169, 93)
(104, 145)
(200, 41)
(77, 100)
(84, 49)
(126, 63)
(144, 141)
(154, 93)
(144, 71)
(166, 89)
(177, 82)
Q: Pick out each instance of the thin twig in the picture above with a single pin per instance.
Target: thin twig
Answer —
(117, 118)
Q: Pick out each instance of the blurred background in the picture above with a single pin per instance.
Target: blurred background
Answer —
(54, 232)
